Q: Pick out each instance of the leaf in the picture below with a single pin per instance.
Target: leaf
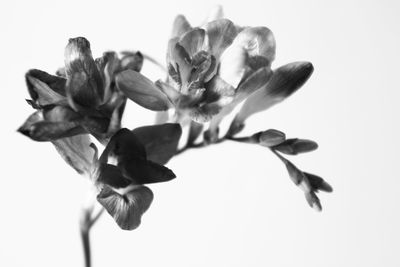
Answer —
(284, 82)
(295, 146)
(160, 141)
(141, 90)
(271, 137)
(127, 209)
(76, 151)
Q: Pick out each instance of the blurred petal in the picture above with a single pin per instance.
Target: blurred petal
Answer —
(317, 183)
(161, 117)
(76, 151)
(313, 201)
(160, 141)
(257, 41)
(271, 137)
(221, 34)
(141, 90)
(254, 82)
(233, 65)
(216, 13)
(180, 26)
(295, 146)
(127, 209)
(112, 176)
(45, 89)
(193, 41)
(284, 81)
(132, 61)
(194, 132)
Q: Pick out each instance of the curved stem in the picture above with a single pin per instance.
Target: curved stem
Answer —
(86, 223)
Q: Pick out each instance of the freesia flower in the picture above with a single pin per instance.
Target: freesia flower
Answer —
(130, 160)
(82, 98)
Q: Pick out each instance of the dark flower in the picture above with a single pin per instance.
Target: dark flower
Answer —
(83, 97)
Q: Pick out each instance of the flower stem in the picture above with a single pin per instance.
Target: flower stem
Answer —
(86, 223)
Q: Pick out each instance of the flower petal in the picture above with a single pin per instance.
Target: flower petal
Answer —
(216, 13)
(284, 82)
(221, 34)
(257, 41)
(124, 145)
(160, 141)
(233, 65)
(127, 209)
(76, 151)
(45, 89)
(132, 61)
(180, 26)
(107, 65)
(141, 90)
(193, 41)
(111, 175)
(84, 84)
(253, 83)
(194, 132)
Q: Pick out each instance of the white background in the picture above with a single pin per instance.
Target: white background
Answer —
(232, 204)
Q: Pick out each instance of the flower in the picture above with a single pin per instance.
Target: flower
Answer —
(130, 160)
(82, 98)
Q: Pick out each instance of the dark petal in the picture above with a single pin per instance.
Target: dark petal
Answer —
(317, 183)
(193, 41)
(284, 82)
(174, 74)
(205, 113)
(111, 175)
(142, 171)
(221, 34)
(160, 141)
(85, 83)
(127, 209)
(76, 151)
(194, 132)
(60, 114)
(49, 131)
(132, 61)
(295, 146)
(142, 91)
(45, 89)
(125, 145)
(271, 137)
(180, 26)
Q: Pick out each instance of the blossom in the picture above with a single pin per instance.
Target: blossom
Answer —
(82, 98)
(129, 161)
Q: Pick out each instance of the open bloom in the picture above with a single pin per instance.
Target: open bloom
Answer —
(130, 160)
(82, 98)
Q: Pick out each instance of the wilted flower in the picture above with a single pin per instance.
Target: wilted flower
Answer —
(83, 97)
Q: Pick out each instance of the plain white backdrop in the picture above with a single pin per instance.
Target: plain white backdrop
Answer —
(232, 204)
